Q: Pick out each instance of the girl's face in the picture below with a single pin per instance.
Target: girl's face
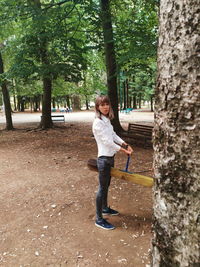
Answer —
(104, 108)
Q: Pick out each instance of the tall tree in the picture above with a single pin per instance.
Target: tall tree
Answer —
(111, 66)
(5, 31)
(46, 121)
(176, 239)
(6, 97)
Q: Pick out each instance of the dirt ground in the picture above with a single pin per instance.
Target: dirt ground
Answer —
(47, 202)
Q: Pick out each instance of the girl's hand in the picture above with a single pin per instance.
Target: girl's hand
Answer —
(130, 149)
(127, 150)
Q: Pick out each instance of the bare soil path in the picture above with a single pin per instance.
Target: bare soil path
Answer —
(47, 202)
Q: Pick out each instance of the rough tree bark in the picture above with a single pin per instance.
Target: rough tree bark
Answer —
(176, 240)
(111, 67)
(6, 99)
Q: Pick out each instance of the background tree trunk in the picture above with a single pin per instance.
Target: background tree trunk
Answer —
(127, 94)
(176, 137)
(151, 103)
(6, 99)
(134, 102)
(86, 103)
(15, 102)
(124, 93)
(110, 61)
(53, 102)
(76, 103)
(36, 101)
(68, 101)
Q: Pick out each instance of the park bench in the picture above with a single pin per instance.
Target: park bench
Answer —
(126, 111)
(139, 134)
(58, 118)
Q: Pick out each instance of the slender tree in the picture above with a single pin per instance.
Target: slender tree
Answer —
(111, 66)
(6, 98)
(176, 239)
(46, 121)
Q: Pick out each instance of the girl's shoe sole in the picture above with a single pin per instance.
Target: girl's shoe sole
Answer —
(104, 227)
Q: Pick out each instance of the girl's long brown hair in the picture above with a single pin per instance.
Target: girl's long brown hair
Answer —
(103, 99)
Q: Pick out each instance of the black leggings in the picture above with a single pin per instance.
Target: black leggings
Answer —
(104, 166)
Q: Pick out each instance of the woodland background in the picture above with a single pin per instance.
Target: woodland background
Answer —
(63, 53)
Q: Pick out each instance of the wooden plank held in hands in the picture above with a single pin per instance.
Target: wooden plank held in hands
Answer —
(128, 176)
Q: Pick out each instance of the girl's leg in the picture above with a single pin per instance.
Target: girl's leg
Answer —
(104, 182)
(105, 193)
(105, 199)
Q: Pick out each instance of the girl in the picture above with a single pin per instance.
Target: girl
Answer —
(108, 143)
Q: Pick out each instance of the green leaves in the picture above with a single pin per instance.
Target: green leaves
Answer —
(62, 39)
(136, 31)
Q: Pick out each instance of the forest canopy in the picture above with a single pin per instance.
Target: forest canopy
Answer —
(63, 41)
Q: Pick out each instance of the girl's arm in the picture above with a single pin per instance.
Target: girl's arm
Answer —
(124, 146)
(117, 139)
(101, 134)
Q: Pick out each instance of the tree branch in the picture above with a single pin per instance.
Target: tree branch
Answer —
(57, 4)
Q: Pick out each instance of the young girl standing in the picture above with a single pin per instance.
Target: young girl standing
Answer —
(108, 143)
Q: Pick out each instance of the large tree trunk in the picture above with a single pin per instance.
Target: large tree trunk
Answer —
(176, 239)
(46, 121)
(6, 99)
(110, 61)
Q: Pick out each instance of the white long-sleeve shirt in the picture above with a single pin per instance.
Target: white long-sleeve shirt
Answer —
(105, 137)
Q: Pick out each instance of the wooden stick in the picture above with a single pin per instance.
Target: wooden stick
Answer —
(120, 174)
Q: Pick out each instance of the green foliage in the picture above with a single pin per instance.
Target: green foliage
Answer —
(28, 88)
(93, 79)
(136, 25)
(136, 32)
(63, 40)
(95, 76)
(48, 44)
(143, 83)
